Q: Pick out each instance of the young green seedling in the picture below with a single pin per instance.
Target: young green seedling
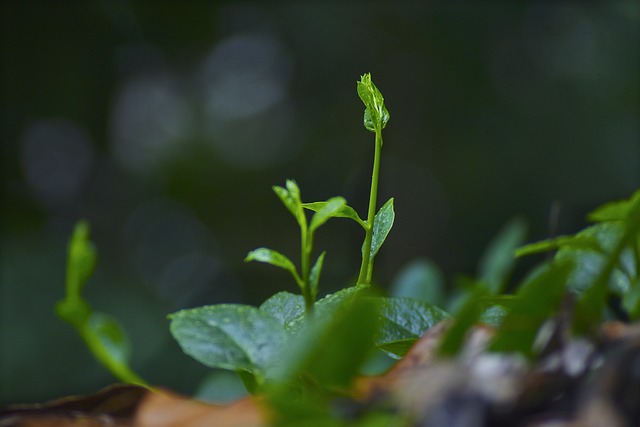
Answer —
(101, 333)
(309, 276)
(377, 226)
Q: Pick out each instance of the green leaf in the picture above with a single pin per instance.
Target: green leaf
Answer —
(404, 318)
(590, 262)
(466, 316)
(382, 224)
(421, 279)
(568, 242)
(345, 211)
(230, 336)
(111, 335)
(329, 210)
(631, 300)
(274, 258)
(290, 197)
(497, 262)
(284, 307)
(536, 301)
(616, 211)
(376, 115)
(314, 275)
(325, 358)
(397, 349)
(326, 306)
(81, 261)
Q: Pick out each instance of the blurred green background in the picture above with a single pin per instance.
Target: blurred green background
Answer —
(165, 124)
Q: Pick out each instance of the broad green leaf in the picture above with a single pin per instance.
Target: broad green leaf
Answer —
(382, 224)
(536, 301)
(284, 307)
(329, 210)
(81, 259)
(498, 260)
(230, 336)
(111, 335)
(421, 279)
(275, 258)
(376, 115)
(404, 318)
(615, 211)
(325, 306)
(290, 197)
(314, 275)
(345, 211)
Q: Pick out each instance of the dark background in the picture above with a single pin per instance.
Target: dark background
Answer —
(165, 124)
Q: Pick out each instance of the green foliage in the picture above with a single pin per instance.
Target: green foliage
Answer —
(308, 277)
(302, 352)
(101, 333)
(403, 321)
(606, 261)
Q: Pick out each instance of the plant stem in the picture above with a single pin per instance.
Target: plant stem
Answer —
(366, 268)
(306, 243)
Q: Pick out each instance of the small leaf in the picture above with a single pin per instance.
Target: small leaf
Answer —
(405, 318)
(382, 224)
(314, 275)
(111, 335)
(345, 211)
(329, 210)
(274, 258)
(284, 307)
(290, 197)
(570, 242)
(498, 260)
(615, 211)
(422, 280)
(230, 336)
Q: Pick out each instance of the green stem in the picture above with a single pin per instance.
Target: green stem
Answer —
(118, 369)
(306, 243)
(366, 268)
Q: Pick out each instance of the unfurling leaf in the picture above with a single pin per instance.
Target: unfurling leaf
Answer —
(290, 197)
(376, 115)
